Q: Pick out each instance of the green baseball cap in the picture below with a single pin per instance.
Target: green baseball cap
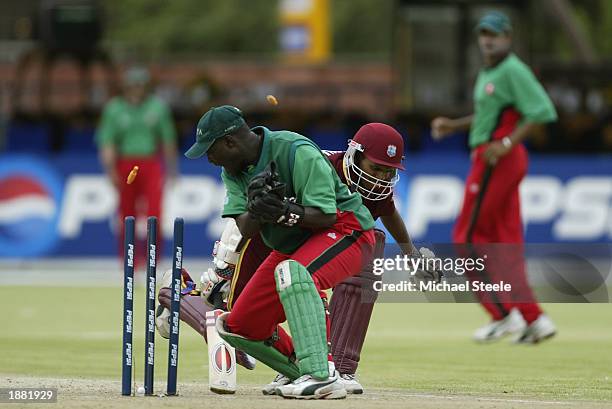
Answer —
(214, 124)
(496, 22)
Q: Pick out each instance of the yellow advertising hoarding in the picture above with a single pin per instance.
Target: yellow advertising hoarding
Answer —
(305, 30)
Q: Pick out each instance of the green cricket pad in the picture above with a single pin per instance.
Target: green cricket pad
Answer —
(306, 317)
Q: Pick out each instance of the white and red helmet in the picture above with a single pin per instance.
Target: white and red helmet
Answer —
(381, 144)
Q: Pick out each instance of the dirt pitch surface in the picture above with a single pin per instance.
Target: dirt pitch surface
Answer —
(90, 393)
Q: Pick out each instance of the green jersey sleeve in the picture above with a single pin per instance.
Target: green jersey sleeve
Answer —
(235, 197)
(313, 180)
(107, 129)
(530, 97)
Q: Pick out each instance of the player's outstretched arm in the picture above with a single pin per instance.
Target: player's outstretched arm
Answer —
(314, 218)
(108, 158)
(442, 127)
(395, 225)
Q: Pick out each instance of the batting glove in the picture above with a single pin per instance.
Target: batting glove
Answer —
(214, 288)
(428, 272)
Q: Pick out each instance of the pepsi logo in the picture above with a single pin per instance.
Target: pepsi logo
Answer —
(30, 194)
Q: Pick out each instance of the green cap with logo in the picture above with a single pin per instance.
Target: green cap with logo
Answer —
(496, 22)
(214, 124)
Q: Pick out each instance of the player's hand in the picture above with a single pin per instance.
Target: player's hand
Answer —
(495, 150)
(441, 127)
(428, 272)
(209, 279)
(257, 187)
(264, 182)
(211, 284)
(224, 259)
(268, 208)
(218, 295)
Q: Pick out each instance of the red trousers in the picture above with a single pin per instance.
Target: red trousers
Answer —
(141, 198)
(331, 255)
(491, 214)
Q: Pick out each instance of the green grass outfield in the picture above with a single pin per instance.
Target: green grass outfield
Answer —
(75, 333)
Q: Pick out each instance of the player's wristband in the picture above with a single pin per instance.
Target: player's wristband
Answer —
(507, 142)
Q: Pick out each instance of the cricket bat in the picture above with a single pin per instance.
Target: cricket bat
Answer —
(221, 358)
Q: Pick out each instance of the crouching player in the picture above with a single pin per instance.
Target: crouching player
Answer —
(280, 185)
(369, 167)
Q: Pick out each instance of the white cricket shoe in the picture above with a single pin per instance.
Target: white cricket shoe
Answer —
(307, 387)
(351, 384)
(495, 330)
(279, 380)
(541, 329)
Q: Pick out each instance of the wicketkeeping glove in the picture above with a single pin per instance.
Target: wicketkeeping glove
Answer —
(258, 186)
(265, 182)
(266, 200)
(269, 208)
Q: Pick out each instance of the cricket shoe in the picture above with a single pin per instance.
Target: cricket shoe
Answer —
(495, 330)
(350, 383)
(539, 330)
(279, 380)
(307, 387)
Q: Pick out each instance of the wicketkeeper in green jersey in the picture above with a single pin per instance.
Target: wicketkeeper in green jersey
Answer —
(280, 185)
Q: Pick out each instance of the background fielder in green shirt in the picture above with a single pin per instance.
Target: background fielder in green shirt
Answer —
(136, 129)
(509, 103)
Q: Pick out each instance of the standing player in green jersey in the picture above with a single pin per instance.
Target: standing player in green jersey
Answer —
(280, 185)
(509, 103)
(135, 130)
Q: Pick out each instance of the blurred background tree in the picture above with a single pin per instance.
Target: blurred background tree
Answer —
(359, 28)
(549, 41)
(155, 27)
(596, 17)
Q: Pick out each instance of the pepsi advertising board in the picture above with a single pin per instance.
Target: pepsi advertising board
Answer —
(64, 205)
